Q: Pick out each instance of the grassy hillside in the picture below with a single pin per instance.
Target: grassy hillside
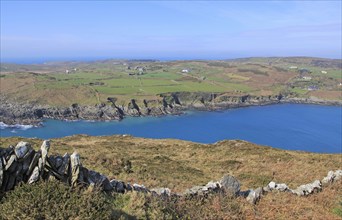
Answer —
(61, 84)
(180, 165)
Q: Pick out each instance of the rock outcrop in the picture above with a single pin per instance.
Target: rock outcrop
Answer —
(12, 113)
(21, 163)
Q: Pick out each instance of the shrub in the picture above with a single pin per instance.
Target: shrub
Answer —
(54, 200)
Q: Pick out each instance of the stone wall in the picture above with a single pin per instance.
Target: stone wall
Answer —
(21, 163)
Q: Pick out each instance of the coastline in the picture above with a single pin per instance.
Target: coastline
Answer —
(15, 115)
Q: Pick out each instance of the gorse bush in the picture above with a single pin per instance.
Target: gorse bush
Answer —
(53, 200)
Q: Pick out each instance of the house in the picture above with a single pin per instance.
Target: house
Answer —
(324, 72)
(293, 67)
(185, 71)
(307, 77)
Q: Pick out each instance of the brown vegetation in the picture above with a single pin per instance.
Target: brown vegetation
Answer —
(180, 165)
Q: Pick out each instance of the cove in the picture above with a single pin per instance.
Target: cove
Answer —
(312, 128)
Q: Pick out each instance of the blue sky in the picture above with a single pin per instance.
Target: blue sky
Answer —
(169, 29)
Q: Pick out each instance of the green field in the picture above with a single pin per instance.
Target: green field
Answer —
(62, 84)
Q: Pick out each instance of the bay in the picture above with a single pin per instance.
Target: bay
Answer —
(312, 128)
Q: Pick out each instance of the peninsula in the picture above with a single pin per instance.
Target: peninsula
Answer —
(114, 89)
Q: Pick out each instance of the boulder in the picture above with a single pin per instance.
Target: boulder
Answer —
(129, 187)
(332, 176)
(195, 190)
(255, 195)
(64, 168)
(27, 161)
(162, 191)
(338, 174)
(22, 149)
(118, 186)
(34, 176)
(307, 189)
(11, 182)
(230, 184)
(99, 180)
(58, 161)
(213, 186)
(45, 150)
(282, 187)
(140, 188)
(75, 168)
(11, 164)
(33, 163)
(1, 172)
(329, 178)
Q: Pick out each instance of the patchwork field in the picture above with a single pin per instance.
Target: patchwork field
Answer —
(62, 84)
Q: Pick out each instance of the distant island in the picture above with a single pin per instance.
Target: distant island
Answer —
(114, 89)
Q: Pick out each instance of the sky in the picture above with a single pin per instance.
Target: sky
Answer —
(169, 29)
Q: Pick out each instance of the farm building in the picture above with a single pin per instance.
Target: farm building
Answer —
(307, 77)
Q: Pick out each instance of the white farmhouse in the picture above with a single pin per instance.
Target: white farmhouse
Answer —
(307, 77)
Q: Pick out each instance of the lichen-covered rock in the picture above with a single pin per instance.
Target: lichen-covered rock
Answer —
(22, 149)
(75, 168)
(140, 188)
(58, 161)
(1, 172)
(307, 189)
(332, 176)
(329, 178)
(45, 150)
(11, 164)
(162, 191)
(99, 180)
(338, 174)
(213, 186)
(27, 161)
(34, 176)
(282, 187)
(33, 164)
(230, 184)
(64, 168)
(255, 195)
(195, 190)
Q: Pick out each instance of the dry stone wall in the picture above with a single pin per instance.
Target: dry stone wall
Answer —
(21, 163)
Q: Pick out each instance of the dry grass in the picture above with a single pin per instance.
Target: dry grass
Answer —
(180, 164)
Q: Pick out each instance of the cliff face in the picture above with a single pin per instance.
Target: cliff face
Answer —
(167, 103)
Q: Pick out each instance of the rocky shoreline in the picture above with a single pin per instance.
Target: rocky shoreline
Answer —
(19, 114)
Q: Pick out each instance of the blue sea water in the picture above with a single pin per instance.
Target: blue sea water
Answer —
(287, 126)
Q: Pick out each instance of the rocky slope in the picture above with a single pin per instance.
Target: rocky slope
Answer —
(12, 113)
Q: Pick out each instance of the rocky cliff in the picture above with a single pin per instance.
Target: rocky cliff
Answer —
(12, 113)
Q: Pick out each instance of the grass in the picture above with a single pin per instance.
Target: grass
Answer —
(180, 165)
(50, 84)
